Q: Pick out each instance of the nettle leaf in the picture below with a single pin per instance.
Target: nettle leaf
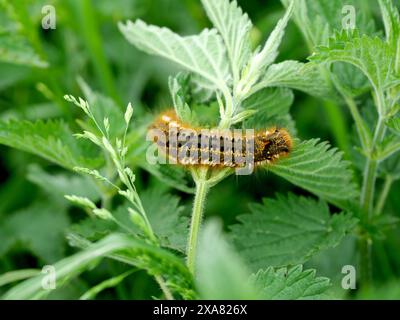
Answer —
(389, 146)
(391, 20)
(221, 273)
(173, 176)
(204, 55)
(165, 215)
(391, 166)
(234, 27)
(40, 228)
(104, 107)
(59, 184)
(270, 52)
(319, 19)
(394, 124)
(289, 284)
(318, 169)
(16, 49)
(272, 106)
(372, 55)
(120, 247)
(351, 79)
(50, 139)
(314, 33)
(295, 75)
(94, 229)
(178, 86)
(287, 231)
(14, 46)
(270, 101)
(261, 60)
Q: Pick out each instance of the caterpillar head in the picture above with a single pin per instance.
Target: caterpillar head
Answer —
(277, 143)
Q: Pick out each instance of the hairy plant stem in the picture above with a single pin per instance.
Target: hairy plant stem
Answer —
(167, 293)
(197, 215)
(365, 262)
(367, 201)
(370, 171)
(361, 127)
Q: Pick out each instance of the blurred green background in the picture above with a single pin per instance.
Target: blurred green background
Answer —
(87, 45)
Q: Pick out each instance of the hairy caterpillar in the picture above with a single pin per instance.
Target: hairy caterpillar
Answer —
(215, 147)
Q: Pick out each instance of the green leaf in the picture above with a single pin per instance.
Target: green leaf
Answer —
(391, 20)
(50, 139)
(394, 125)
(220, 272)
(330, 262)
(132, 251)
(172, 176)
(40, 228)
(59, 184)
(318, 169)
(165, 215)
(319, 19)
(203, 54)
(164, 211)
(264, 58)
(16, 49)
(14, 74)
(272, 106)
(14, 44)
(373, 56)
(287, 231)
(104, 107)
(289, 284)
(351, 79)
(94, 229)
(234, 27)
(270, 101)
(177, 86)
(295, 75)
(391, 167)
(270, 52)
(389, 146)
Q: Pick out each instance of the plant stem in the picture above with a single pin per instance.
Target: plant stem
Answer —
(167, 293)
(367, 200)
(384, 193)
(370, 171)
(368, 188)
(365, 262)
(362, 129)
(197, 214)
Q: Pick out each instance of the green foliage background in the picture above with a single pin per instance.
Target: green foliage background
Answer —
(88, 56)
